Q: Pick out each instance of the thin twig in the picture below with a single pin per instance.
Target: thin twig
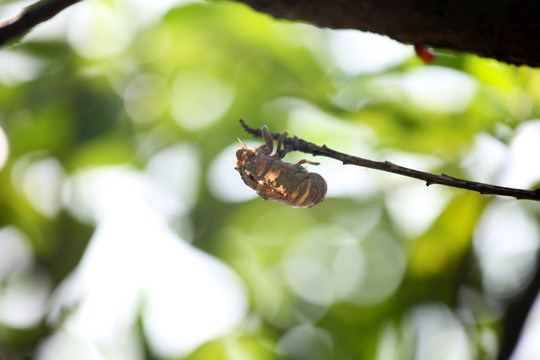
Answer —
(296, 144)
(29, 17)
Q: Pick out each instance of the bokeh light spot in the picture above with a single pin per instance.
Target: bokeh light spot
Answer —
(357, 52)
(199, 99)
(146, 97)
(439, 89)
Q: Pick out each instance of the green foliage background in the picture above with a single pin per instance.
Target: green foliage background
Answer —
(74, 111)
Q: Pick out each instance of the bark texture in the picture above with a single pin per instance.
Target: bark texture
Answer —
(506, 30)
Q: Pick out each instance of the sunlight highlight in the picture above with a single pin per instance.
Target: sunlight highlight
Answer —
(520, 170)
(357, 52)
(18, 68)
(25, 288)
(135, 264)
(146, 97)
(506, 240)
(199, 99)
(439, 89)
(4, 148)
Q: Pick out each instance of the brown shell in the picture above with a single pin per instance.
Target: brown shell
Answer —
(278, 180)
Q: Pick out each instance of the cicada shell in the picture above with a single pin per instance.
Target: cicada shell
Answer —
(272, 178)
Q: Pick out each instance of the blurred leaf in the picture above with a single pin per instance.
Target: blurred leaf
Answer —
(243, 347)
(102, 151)
(449, 238)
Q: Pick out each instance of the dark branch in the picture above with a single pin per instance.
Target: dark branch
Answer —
(39, 12)
(516, 315)
(296, 144)
(506, 30)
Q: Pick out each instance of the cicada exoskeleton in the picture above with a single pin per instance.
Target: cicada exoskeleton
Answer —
(273, 178)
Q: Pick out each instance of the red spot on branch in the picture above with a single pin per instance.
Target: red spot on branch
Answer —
(424, 53)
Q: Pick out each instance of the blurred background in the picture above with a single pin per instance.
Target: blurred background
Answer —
(125, 232)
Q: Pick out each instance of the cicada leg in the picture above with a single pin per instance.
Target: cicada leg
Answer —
(280, 151)
(304, 161)
(269, 142)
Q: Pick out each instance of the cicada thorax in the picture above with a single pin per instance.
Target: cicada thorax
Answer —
(278, 180)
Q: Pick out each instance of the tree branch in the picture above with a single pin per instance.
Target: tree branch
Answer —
(296, 144)
(506, 30)
(29, 17)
